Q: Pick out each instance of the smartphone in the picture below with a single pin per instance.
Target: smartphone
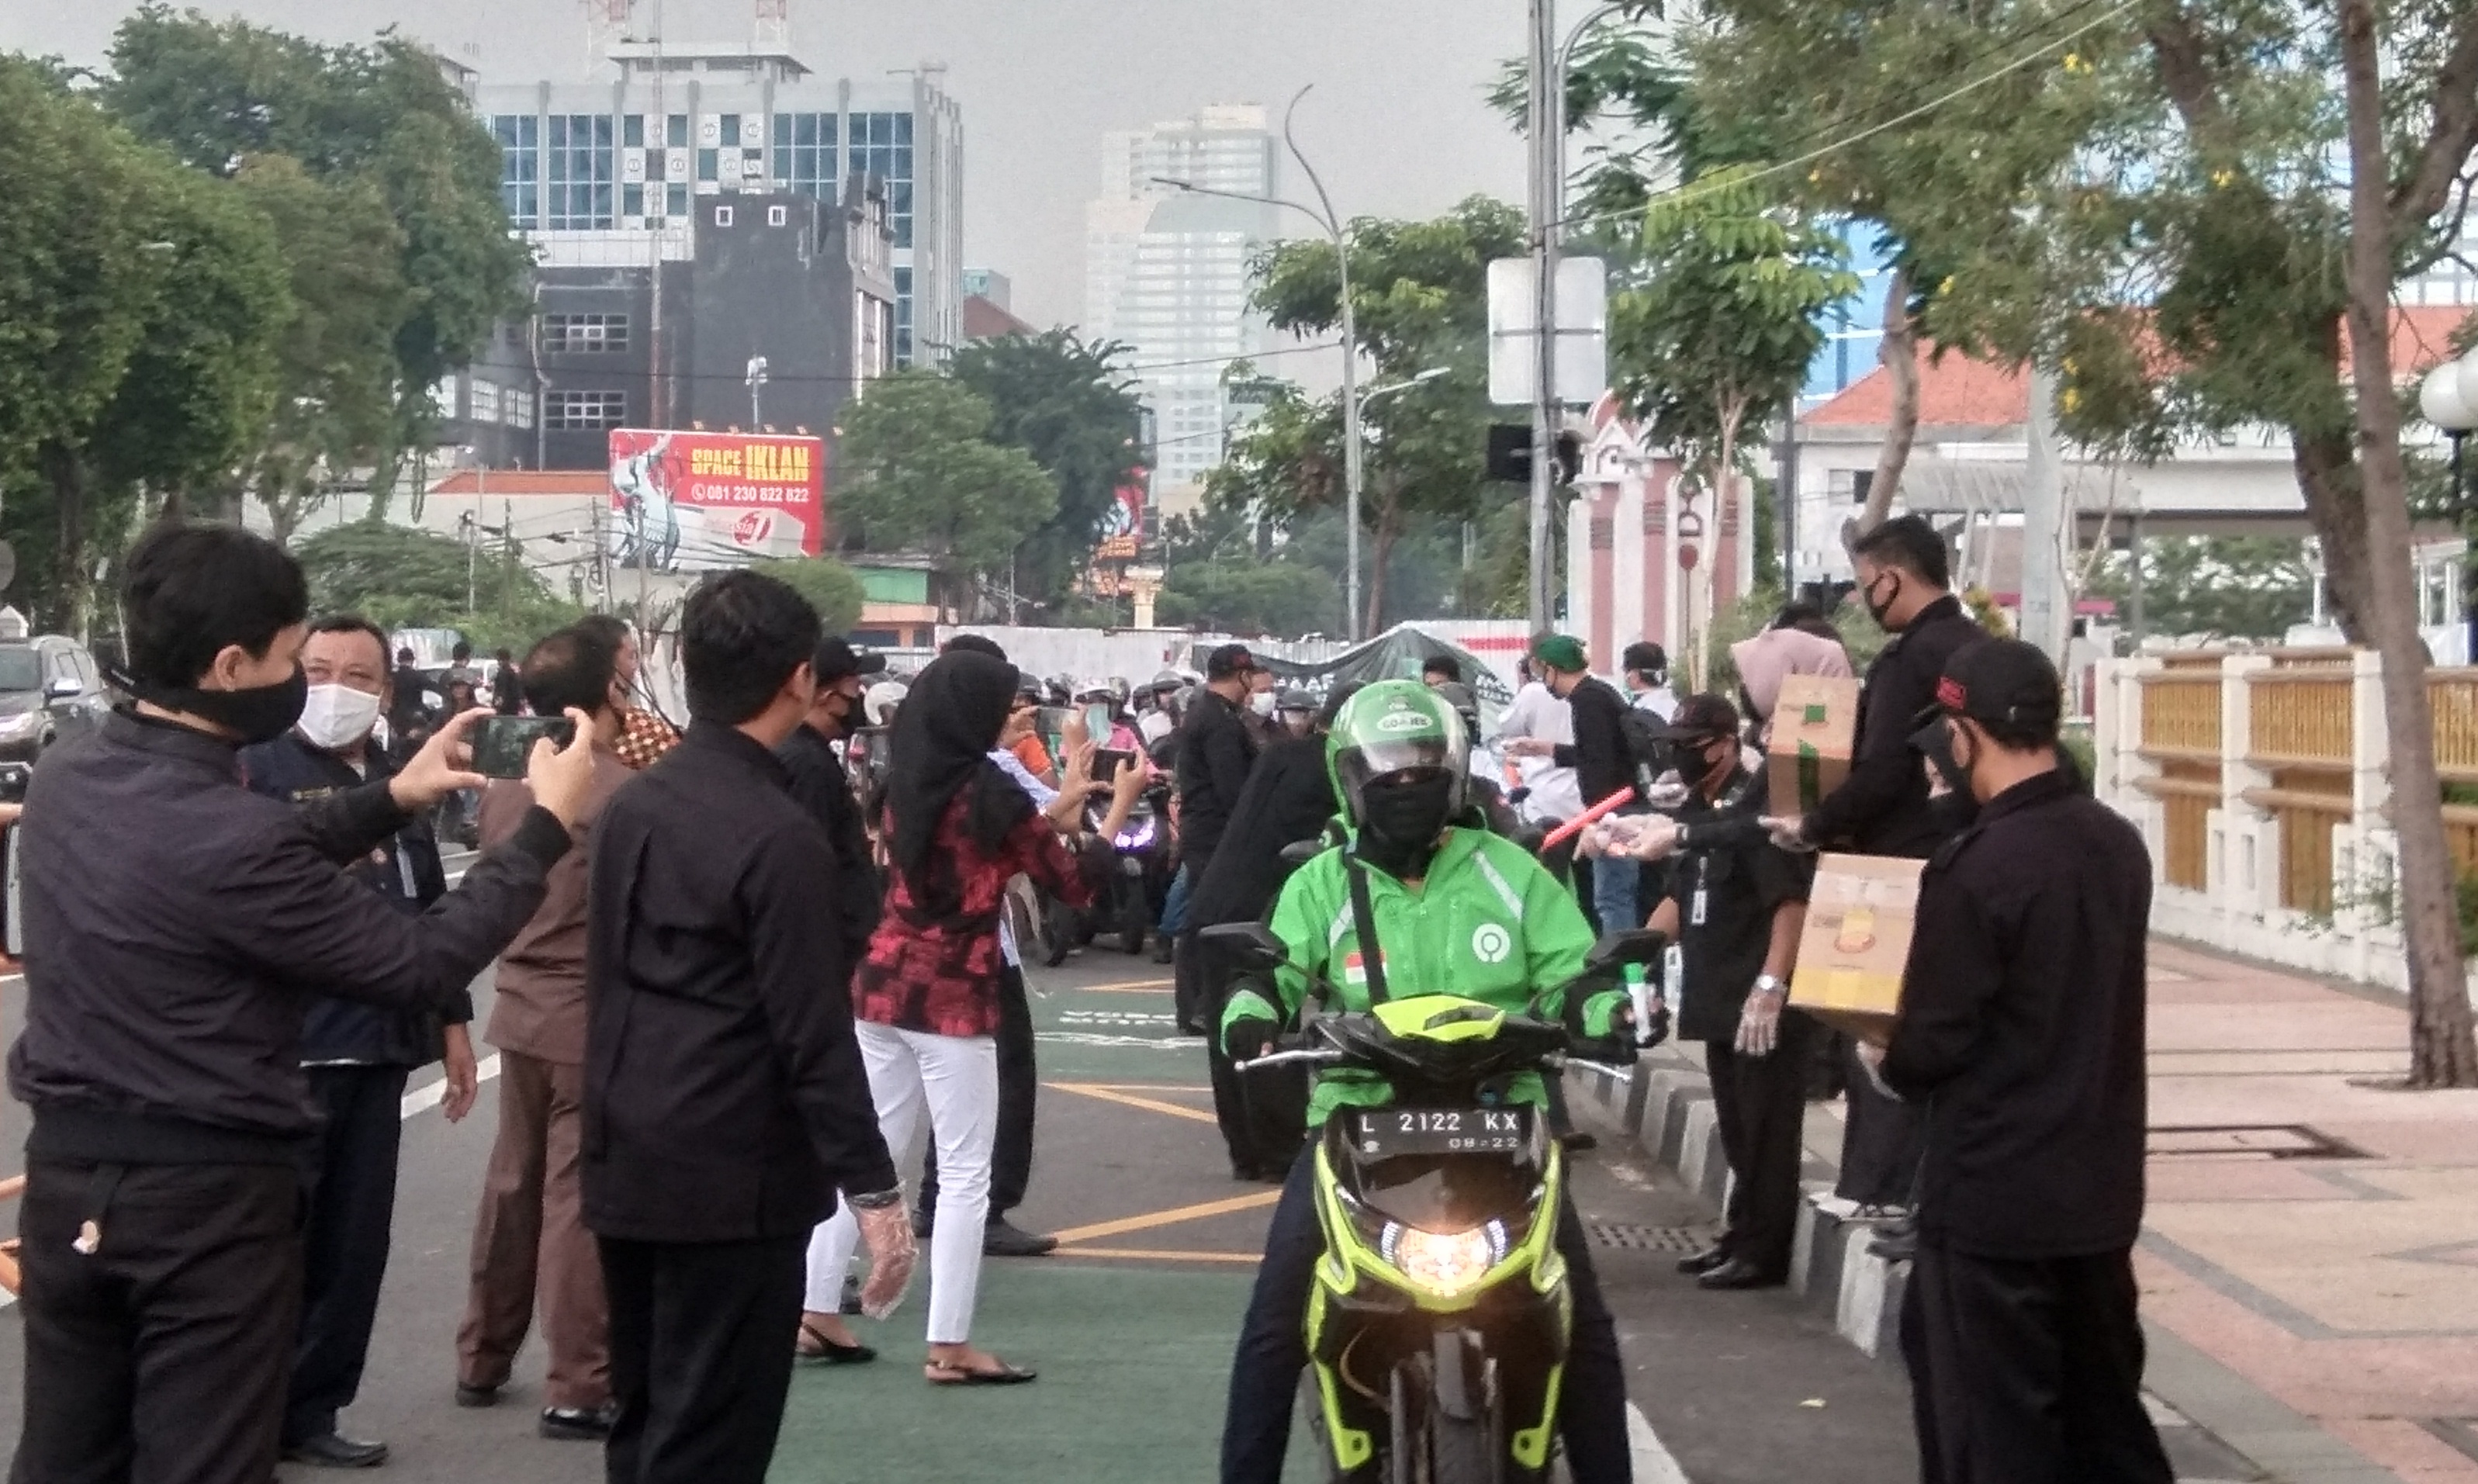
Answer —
(502, 745)
(1107, 761)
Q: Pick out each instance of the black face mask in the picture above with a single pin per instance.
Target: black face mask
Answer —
(256, 715)
(1694, 769)
(1401, 819)
(1876, 610)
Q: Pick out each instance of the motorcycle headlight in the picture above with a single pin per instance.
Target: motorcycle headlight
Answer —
(1444, 1262)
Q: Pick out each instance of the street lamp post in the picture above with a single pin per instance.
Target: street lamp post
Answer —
(757, 378)
(1337, 229)
(2449, 400)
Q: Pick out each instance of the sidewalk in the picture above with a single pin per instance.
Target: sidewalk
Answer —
(2309, 1257)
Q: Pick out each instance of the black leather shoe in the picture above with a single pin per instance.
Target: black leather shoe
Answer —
(1738, 1273)
(1162, 948)
(1004, 1239)
(1579, 1141)
(471, 1396)
(575, 1424)
(328, 1450)
(1704, 1262)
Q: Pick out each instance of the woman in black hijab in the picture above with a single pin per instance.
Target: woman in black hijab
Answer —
(925, 998)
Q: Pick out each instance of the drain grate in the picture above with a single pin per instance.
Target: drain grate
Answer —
(2247, 1140)
(1648, 1239)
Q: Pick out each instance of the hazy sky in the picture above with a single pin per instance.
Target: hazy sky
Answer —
(1396, 125)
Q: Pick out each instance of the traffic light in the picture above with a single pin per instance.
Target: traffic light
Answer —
(1509, 453)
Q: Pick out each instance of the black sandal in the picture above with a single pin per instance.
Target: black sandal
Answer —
(826, 1351)
(940, 1373)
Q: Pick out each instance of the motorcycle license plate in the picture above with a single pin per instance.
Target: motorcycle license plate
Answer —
(1387, 1133)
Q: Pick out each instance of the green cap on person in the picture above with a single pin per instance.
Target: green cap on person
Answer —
(1560, 652)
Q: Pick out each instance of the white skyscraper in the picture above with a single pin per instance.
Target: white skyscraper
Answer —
(1165, 271)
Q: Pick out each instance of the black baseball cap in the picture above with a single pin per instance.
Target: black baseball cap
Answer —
(2001, 682)
(836, 660)
(1701, 719)
(1227, 660)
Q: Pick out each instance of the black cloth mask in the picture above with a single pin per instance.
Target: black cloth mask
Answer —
(1876, 610)
(257, 713)
(1401, 819)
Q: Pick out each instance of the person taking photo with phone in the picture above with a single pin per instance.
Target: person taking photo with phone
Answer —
(177, 927)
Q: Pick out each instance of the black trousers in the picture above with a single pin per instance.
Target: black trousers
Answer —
(345, 1245)
(699, 1365)
(1761, 1104)
(1018, 1094)
(1263, 1116)
(1880, 1145)
(160, 1359)
(1272, 1352)
(2035, 1370)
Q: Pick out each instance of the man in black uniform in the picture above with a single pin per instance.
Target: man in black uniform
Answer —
(1602, 761)
(1736, 905)
(176, 924)
(822, 787)
(726, 1104)
(1216, 752)
(357, 1056)
(1883, 807)
(2022, 1031)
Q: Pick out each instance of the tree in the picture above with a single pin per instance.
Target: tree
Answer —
(923, 476)
(1240, 597)
(831, 587)
(1721, 318)
(1074, 409)
(402, 577)
(2225, 587)
(1420, 302)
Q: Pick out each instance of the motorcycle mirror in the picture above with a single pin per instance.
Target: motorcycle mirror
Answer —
(1639, 945)
(1299, 852)
(1250, 945)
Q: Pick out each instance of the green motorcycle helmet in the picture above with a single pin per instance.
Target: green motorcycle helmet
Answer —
(1389, 727)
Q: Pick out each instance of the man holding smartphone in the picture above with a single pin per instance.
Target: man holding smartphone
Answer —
(357, 1057)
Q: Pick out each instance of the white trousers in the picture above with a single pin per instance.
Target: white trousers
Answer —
(955, 1079)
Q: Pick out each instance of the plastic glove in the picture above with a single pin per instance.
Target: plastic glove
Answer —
(1249, 1038)
(1657, 840)
(1785, 833)
(886, 1232)
(1760, 1024)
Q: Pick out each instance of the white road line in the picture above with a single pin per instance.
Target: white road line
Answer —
(1653, 1464)
(430, 1095)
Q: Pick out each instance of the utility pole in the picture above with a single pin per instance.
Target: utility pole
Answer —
(1547, 99)
(2045, 621)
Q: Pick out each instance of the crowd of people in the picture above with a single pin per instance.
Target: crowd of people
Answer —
(739, 968)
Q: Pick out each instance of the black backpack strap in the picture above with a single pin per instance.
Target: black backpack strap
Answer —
(1363, 922)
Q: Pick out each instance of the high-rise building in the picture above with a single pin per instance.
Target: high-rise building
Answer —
(1165, 271)
(610, 171)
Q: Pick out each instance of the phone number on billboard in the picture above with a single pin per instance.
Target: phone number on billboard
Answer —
(705, 492)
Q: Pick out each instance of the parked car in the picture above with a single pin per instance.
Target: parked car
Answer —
(49, 690)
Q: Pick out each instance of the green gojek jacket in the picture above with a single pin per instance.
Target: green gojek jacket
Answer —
(1488, 923)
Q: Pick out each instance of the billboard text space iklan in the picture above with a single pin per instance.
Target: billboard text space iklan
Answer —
(686, 502)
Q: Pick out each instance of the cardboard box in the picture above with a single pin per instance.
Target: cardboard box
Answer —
(1860, 918)
(1815, 724)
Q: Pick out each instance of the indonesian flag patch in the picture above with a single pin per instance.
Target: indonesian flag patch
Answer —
(1354, 969)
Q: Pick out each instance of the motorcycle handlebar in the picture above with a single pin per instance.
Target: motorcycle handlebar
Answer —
(1284, 1058)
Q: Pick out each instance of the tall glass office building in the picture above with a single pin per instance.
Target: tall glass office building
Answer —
(607, 173)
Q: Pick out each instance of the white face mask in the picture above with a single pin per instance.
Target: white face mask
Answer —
(1261, 703)
(335, 718)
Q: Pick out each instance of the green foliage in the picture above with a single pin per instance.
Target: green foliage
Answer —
(831, 587)
(923, 475)
(1237, 596)
(399, 577)
(2222, 586)
(1072, 406)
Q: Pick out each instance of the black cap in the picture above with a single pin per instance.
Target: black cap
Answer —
(2002, 681)
(1227, 660)
(1701, 719)
(836, 660)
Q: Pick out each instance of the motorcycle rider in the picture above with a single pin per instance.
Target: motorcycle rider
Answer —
(1451, 908)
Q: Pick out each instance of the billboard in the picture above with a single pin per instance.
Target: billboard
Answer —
(1123, 525)
(692, 502)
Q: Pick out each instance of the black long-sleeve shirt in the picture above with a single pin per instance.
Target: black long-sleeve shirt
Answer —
(1602, 761)
(817, 778)
(1215, 754)
(725, 1094)
(177, 925)
(2022, 1025)
(1881, 808)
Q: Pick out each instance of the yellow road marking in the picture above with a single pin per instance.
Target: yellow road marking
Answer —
(1170, 1217)
(1123, 987)
(1135, 1087)
(1159, 1255)
(1110, 1094)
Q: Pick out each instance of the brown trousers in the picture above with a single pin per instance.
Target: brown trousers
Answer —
(529, 1241)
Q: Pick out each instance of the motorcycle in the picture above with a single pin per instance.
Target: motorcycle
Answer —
(1127, 899)
(1438, 1322)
